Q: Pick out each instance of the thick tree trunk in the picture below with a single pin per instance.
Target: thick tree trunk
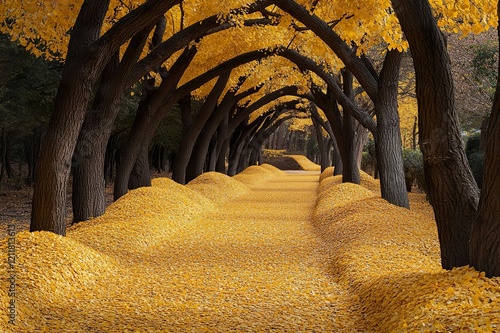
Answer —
(452, 190)
(80, 73)
(388, 141)
(89, 188)
(85, 61)
(485, 237)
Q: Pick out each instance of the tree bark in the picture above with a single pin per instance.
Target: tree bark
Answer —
(350, 171)
(452, 190)
(141, 173)
(80, 73)
(388, 141)
(485, 237)
(87, 56)
(188, 141)
(151, 112)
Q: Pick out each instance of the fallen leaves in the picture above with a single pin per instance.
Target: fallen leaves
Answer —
(389, 257)
(243, 254)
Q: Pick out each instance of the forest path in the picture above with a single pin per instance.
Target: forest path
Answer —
(253, 264)
(256, 265)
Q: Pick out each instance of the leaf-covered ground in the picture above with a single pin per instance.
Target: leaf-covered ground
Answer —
(260, 252)
(169, 259)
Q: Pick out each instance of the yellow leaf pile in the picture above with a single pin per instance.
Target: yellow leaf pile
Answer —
(217, 187)
(389, 258)
(305, 163)
(255, 174)
(328, 172)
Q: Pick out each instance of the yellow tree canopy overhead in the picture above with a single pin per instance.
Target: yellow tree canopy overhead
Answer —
(365, 22)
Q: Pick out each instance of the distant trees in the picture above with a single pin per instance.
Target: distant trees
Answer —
(27, 89)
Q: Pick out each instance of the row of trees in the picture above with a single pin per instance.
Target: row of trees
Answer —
(312, 52)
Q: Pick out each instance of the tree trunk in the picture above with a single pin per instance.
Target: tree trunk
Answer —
(351, 171)
(324, 159)
(452, 190)
(85, 62)
(337, 159)
(189, 140)
(388, 141)
(485, 237)
(141, 173)
(80, 73)
(152, 110)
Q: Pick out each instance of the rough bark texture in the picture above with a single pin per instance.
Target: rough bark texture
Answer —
(79, 75)
(351, 171)
(89, 157)
(388, 140)
(87, 56)
(485, 237)
(452, 191)
(189, 140)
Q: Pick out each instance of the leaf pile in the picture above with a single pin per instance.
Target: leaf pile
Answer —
(328, 172)
(166, 259)
(389, 258)
(305, 163)
(217, 187)
(255, 174)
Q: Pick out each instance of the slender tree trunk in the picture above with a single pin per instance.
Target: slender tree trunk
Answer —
(189, 140)
(337, 159)
(452, 190)
(141, 173)
(221, 159)
(152, 110)
(351, 170)
(485, 237)
(324, 159)
(388, 142)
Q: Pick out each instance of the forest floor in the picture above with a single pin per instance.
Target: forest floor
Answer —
(263, 251)
(15, 204)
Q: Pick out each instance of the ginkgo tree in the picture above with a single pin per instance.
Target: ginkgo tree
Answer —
(108, 46)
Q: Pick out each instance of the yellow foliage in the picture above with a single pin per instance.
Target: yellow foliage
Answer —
(273, 169)
(328, 172)
(253, 175)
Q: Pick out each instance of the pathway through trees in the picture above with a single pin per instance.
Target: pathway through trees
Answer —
(251, 264)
